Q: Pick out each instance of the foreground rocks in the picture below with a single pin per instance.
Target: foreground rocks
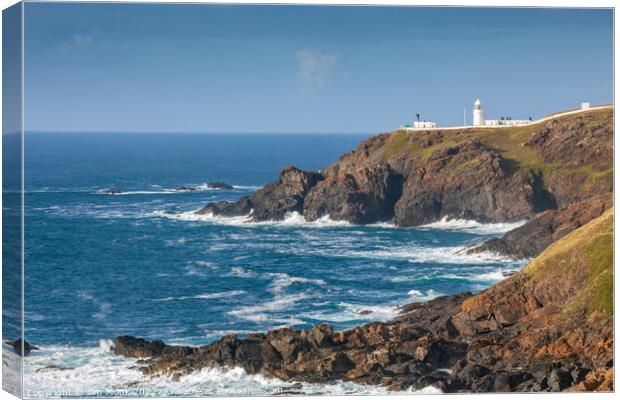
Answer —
(414, 178)
(530, 332)
(530, 239)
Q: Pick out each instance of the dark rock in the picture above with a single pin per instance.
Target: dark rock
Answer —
(129, 346)
(112, 191)
(17, 347)
(485, 191)
(531, 239)
(219, 185)
(53, 368)
(272, 202)
(364, 196)
(559, 379)
(184, 189)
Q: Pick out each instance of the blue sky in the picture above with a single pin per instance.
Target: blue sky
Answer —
(225, 68)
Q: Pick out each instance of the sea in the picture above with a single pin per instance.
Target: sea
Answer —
(98, 266)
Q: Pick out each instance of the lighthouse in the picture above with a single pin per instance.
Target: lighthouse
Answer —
(478, 113)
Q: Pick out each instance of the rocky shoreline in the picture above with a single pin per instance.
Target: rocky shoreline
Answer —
(546, 328)
(530, 332)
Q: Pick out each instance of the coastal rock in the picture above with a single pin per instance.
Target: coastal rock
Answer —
(583, 147)
(468, 181)
(219, 185)
(415, 178)
(112, 191)
(272, 202)
(184, 189)
(17, 347)
(366, 196)
(532, 238)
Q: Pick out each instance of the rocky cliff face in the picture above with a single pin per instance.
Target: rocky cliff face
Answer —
(413, 178)
(546, 328)
(532, 238)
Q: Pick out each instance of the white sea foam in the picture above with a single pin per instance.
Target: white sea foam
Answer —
(418, 254)
(281, 281)
(348, 312)
(490, 276)
(263, 311)
(241, 273)
(291, 219)
(204, 187)
(207, 296)
(419, 296)
(471, 226)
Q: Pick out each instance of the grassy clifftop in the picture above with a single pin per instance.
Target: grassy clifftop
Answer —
(520, 149)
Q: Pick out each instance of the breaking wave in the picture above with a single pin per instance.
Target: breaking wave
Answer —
(471, 226)
(207, 296)
(291, 219)
(419, 254)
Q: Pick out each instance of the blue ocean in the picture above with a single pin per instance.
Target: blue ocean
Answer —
(99, 265)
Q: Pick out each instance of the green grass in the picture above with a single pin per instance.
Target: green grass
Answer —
(397, 143)
(509, 142)
(587, 251)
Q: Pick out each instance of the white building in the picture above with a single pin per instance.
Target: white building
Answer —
(478, 113)
(424, 124)
(585, 105)
(419, 125)
(480, 121)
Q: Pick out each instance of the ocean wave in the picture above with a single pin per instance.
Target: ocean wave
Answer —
(291, 219)
(348, 312)
(471, 226)
(420, 296)
(281, 281)
(264, 311)
(491, 276)
(207, 296)
(419, 254)
(190, 188)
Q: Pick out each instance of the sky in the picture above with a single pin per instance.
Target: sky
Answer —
(292, 69)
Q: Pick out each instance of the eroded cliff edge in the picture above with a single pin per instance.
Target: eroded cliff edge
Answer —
(546, 328)
(413, 178)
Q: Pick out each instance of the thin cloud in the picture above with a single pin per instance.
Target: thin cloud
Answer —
(314, 66)
(81, 40)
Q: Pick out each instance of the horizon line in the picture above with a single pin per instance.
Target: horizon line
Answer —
(198, 132)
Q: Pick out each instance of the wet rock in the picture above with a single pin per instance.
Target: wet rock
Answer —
(112, 191)
(364, 196)
(129, 346)
(219, 185)
(532, 238)
(184, 189)
(17, 347)
(559, 379)
(274, 201)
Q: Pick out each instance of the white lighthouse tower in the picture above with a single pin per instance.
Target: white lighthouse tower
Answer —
(478, 113)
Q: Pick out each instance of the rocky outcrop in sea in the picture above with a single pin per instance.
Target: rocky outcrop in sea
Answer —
(414, 178)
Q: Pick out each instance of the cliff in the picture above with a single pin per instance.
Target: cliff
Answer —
(546, 328)
(413, 178)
